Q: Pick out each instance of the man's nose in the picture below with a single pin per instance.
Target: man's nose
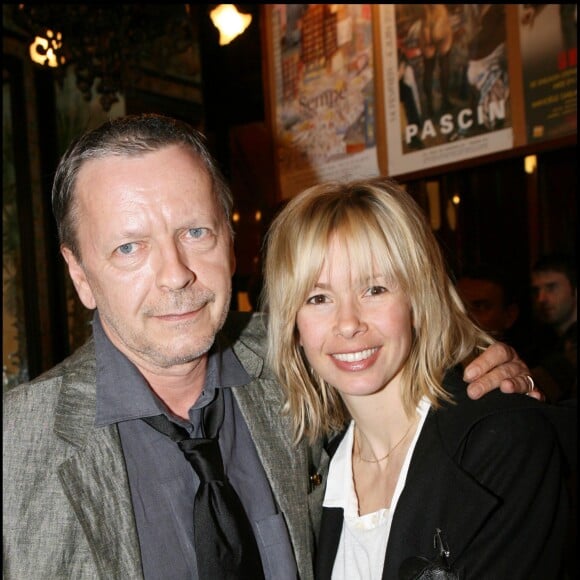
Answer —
(174, 271)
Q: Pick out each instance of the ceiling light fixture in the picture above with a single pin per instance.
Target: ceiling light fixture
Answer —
(229, 22)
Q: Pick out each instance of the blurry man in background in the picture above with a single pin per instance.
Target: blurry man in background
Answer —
(490, 299)
(555, 302)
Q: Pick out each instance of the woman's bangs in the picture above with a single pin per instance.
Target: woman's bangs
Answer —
(367, 249)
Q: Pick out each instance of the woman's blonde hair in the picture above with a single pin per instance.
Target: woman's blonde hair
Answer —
(381, 226)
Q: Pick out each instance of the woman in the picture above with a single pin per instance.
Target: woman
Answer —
(368, 336)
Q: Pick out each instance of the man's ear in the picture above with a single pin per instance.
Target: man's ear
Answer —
(79, 278)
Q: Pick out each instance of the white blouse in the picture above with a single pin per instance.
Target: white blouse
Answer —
(363, 542)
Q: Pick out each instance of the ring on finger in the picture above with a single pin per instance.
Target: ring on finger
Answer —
(531, 384)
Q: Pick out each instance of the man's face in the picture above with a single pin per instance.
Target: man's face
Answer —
(156, 255)
(484, 301)
(555, 301)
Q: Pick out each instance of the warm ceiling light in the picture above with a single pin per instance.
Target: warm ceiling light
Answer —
(229, 22)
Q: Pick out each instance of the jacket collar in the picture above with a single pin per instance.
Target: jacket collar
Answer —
(286, 465)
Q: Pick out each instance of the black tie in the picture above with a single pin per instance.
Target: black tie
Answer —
(225, 545)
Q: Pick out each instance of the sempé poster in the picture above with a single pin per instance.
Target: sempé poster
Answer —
(322, 93)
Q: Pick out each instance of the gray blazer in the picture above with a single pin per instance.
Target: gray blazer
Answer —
(67, 507)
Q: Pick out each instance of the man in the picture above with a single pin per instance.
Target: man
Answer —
(91, 487)
(490, 299)
(555, 301)
(554, 361)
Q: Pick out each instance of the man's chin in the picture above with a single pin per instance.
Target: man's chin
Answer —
(180, 356)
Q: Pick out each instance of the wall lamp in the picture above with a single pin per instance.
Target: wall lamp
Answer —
(46, 50)
(112, 47)
(530, 164)
(229, 22)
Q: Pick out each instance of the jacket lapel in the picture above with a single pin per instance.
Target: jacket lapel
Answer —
(330, 532)
(94, 477)
(286, 465)
(437, 494)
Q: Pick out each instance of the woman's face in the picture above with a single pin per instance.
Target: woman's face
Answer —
(356, 335)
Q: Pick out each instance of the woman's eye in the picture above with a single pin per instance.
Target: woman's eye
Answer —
(317, 299)
(376, 290)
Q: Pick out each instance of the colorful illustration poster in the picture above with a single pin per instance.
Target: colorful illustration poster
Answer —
(446, 84)
(324, 93)
(548, 42)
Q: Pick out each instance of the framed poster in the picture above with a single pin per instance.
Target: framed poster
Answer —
(444, 72)
(548, 44)
(322, 92)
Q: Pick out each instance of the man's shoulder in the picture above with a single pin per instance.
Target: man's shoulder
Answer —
(81, 363)
(78, 367)
(246, 332)
(247, 327)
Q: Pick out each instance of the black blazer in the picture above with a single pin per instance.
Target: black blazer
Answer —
(489, 474)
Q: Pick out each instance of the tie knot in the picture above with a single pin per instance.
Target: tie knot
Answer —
(205, 457)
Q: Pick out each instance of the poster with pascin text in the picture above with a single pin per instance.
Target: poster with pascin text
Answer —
(444, 69)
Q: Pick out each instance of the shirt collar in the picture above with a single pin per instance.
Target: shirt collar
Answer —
(340, 490)
(123, 394)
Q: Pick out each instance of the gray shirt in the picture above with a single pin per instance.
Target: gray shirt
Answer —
(163, 484)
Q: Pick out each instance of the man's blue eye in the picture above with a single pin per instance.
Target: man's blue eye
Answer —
(196, 232)
(126, 248)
